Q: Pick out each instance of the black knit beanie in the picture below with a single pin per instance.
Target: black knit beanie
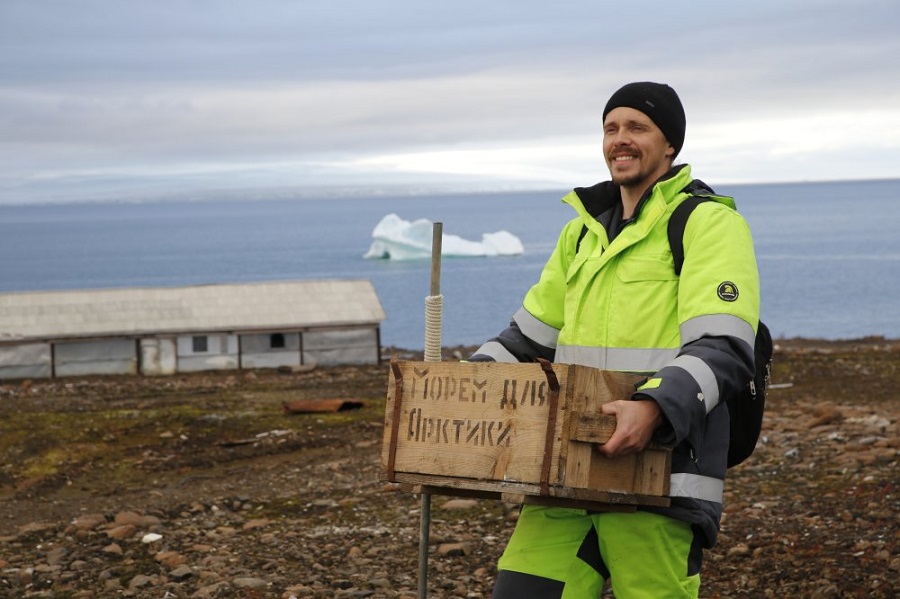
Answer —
(659, 102)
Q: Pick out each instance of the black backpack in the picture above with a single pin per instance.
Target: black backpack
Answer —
(746, 407)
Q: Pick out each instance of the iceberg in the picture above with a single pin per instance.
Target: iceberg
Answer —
(398, 239)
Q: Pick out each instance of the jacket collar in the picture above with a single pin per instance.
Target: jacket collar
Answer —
(603, 196)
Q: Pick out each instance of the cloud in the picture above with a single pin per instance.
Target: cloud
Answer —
(296, 92)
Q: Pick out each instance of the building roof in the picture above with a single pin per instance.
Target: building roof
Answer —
(242, 307)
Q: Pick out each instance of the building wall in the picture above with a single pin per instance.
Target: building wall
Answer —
(263, 351)
(25, 361)
(186, 353)
(221, 352)
(330, 348)
(104, 356)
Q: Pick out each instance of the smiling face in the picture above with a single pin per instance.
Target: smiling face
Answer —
(636, 151)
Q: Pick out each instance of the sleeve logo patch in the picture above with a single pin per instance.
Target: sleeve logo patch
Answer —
(727, 291)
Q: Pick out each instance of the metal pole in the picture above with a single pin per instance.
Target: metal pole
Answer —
(433, 311)
(424, 531)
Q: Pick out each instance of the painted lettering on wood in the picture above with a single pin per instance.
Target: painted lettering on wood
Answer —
(486, 426)
(481, 420)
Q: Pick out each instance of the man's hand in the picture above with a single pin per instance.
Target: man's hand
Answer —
(635, 422)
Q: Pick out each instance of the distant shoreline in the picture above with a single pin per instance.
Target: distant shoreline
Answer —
(138, 195)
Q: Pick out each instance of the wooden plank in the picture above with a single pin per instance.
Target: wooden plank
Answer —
(585, 466)
(645, 473)
(485, 421)
(592, 428)
(522, 493)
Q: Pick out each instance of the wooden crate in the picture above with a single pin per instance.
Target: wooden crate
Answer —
(518, 432)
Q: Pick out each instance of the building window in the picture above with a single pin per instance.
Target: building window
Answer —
(276, 341)
(200, 344)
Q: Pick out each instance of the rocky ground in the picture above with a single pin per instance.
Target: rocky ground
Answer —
(202, 486)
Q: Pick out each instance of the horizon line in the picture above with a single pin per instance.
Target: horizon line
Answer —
(306, 192)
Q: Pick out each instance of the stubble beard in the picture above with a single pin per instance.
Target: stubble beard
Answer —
(628, 180)
(641, 178)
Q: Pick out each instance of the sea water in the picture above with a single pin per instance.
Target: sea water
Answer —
(828, 253)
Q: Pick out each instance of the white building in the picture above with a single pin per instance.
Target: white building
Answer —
(165, 330)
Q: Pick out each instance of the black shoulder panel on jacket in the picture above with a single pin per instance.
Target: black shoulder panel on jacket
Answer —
(599, 198)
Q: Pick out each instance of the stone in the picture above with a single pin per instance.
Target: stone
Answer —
(212, 591)
(170, 559)
(249, 583)
(454, 549)
(181, 573)
(121, 532)
(257, 523)
(56, 555)
(140, 581)
(79, 564)
(87, 522)
(136, 519)
(151, 537)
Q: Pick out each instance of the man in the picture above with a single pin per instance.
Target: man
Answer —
(609, 298)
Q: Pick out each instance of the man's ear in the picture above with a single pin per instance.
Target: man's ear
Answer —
(670, 151)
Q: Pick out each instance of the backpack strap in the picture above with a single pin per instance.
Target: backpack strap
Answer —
(677, 224)
(699, 193)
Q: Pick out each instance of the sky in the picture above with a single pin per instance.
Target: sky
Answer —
(120, 99)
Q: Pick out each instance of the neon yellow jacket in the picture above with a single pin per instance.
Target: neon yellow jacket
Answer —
(619, 305)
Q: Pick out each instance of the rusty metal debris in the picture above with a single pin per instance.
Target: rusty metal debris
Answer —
(311, 406)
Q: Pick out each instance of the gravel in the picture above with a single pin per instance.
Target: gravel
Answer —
(203, 486)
